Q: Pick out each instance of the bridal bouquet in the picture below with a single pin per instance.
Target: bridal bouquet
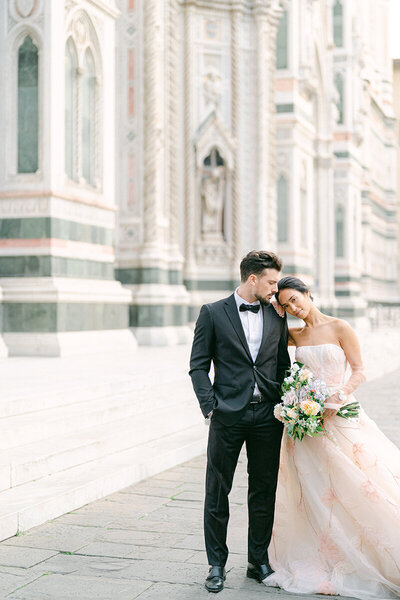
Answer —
(303, 402)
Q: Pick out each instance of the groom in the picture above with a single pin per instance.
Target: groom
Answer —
(247, 342)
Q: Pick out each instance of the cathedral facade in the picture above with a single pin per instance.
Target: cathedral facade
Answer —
(149, 144)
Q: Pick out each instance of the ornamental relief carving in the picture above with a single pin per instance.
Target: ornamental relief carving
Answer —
(19, 10)
(213, 254)
(25, 8)
(129, 234)
(212, 88)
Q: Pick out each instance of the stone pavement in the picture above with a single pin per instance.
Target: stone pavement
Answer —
(146, 541)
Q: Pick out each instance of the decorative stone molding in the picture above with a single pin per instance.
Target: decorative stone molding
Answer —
(190, 223)
(213, 134)
(83, 35)
(154, 137)
(172, 67)
(21, 11)
(236, 85)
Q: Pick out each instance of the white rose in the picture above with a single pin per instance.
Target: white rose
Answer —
(305, 375)
(292, 413)
(278, 411)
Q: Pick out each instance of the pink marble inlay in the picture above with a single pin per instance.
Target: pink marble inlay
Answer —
(131, 101)
(131, 64)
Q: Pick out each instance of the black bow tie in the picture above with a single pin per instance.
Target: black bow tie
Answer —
(253, 307)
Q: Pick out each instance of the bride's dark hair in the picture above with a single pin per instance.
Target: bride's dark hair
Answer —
(292, 283)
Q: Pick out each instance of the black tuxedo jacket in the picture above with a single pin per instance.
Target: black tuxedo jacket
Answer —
(219, 337)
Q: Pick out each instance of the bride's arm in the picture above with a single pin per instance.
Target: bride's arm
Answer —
(351, 346)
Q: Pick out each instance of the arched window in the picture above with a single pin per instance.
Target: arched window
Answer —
(340, 231)
(339, 84)
(282, 198)
(282, 42)
(70, 109)
(28, 107)
(338, 24)
(88, 119)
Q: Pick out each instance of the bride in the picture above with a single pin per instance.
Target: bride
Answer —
(337, 524)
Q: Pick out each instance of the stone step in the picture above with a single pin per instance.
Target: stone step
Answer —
(33, 503)
(61, 420)
(33, 461)
(62, 395)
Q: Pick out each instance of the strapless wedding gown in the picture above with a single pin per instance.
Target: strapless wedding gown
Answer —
(337, 520)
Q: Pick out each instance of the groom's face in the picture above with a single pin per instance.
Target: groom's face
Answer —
(265, 285)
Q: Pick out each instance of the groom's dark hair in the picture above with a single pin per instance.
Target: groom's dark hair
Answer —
(255, 262)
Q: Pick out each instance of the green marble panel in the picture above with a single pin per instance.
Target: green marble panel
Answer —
(29, 317)
(65, 316)
(135, 276)
(211, 285)
(25, 266)
(56, 266)
(347, 293)
(284, 108)
(296, 270)
(158, 315)
(348, 313)
(346, 279)
(48, 227)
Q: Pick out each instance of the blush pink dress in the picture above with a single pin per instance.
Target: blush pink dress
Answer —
(337, 523)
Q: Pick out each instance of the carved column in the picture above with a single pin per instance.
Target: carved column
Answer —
(236, 24)
(274, 14)
(173, 125)
(266, 20)
(153, 124)
(190, 226)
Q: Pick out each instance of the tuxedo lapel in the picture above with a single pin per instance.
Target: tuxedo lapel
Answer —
(267, 323)
(233, 314)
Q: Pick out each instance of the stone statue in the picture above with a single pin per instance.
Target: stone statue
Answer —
(212, 204)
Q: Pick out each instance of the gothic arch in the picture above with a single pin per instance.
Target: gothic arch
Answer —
(82, 36)
(15, 40)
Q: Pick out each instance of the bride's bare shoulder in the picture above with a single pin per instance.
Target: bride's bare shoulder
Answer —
(342, 328)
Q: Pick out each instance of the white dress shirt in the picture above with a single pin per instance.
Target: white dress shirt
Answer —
(253, 324)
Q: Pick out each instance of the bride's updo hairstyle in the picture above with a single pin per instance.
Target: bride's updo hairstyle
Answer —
(292, 283)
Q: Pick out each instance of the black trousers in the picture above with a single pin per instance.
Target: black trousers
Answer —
(262, 434)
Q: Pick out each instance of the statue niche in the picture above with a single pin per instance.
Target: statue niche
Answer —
(212, 194)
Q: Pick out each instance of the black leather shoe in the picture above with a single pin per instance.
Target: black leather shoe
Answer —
(215, 580)
(259, 572)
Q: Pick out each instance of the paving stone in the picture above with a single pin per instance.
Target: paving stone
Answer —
(54, 536)
(189, 496)
(234, 560)
(135, 501)
(101, 566)
(167, 526)
(88, 519)
(194, 505)
(136, 552)
(13, 556)
(168, 591)
(62, 587)
(164, 571)
(12, 579)
(139, 538)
